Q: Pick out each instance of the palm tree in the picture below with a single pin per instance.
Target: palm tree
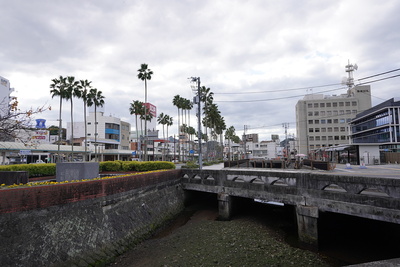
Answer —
(169, 120)
(144, 75)
(85, 86)
(177, 102)
(72, 90)
(163, 119)
(58, 89)
(137, 108)
(95, 98)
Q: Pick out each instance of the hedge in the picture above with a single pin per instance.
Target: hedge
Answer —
(49, 169)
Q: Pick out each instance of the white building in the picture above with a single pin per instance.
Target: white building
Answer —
(112, 138)
(5, 96)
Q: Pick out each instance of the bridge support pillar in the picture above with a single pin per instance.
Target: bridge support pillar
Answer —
(307, 225)
(224, 206)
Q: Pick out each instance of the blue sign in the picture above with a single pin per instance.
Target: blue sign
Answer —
(191, 151)
(40, 124)
(134, 153)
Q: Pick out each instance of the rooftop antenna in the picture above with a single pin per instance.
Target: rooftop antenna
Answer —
(349, 81)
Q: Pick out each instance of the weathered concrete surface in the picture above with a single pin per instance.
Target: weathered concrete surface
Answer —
(89, 230)
(14, 177)
(376, 198)
(68, 171)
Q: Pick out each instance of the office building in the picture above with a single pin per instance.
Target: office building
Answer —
(323, 121)
(376, 132)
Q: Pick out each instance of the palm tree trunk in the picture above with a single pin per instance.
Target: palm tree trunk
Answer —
(59, 130)
(85, 121)
(72, 131)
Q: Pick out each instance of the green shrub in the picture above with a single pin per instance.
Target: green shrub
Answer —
(110, 166)
(34, 170)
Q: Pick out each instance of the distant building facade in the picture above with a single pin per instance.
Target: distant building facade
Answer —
(112, 136)
(323, 121)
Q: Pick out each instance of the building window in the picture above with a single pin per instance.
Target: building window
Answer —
(323, 130)
(315, 105)
(354, 103)
(311, 138)
(316, 121)
(354, 111)
(329, 120)
(342, 120)
(341, 104)
(336, 137)
(310, 121)
(311, 130)
(317, 130)
(342, 129)
(323, 138)
(347, 104)
(329, 129)
(341, 112)
(330, 137)
(329, 113)
(322, 105)
(310, 113)
(342, 137)
(89, 123)
(336, 129)
(334, 104)
(322, 113)
(316, 113)
(348, 111)
(317, 138)
(309, 105)
(335, 113)
(328, 105)
(335, 121)
(323, 121)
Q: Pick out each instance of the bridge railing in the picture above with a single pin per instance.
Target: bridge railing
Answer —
(354, 195)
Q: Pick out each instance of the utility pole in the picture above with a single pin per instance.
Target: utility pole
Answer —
(286, 126)
(197, 100)
(244, 140)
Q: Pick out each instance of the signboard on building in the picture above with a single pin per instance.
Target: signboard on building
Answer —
(152, 109)
(40, 135)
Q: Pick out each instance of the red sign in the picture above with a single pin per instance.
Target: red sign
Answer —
(151, 109)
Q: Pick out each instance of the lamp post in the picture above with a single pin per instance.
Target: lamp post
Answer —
(197, 100)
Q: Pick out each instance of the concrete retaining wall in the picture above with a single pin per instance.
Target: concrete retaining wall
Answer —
(83, 223)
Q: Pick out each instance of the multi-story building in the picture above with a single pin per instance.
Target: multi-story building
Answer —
(112, 138)
(323, 121)
(376, 132)
(5, 96)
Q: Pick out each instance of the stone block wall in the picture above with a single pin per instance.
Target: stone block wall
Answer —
(84, 223)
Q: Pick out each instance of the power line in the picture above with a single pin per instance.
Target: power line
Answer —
(386, 78)
(282, 90)
(279, 98)
(378, 74)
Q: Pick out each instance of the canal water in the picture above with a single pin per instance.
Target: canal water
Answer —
(261, 235)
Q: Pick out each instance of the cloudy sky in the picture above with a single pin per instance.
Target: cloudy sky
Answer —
(259, 57)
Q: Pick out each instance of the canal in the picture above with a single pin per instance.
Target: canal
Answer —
(261, 235)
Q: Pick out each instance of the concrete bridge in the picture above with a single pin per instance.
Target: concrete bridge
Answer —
(368, 197)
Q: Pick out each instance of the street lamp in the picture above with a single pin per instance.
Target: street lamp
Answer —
(197, 100)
